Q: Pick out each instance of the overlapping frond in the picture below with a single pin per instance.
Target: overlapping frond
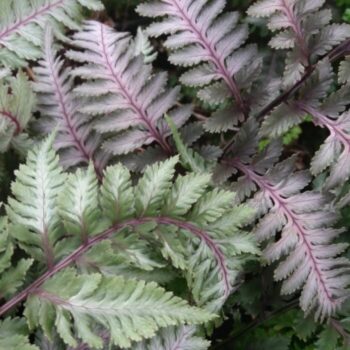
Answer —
(194, 226)
(304, 27)
(130, 310)
(14, 334)
(327, 110)
(128, 97)
(33, 209)
(144, 47)
(203, 37)
(17, 102)
(305, 224)
(11, 276)
(76, 140)
(22, 23)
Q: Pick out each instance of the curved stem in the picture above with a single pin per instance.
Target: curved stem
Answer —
(71, 258)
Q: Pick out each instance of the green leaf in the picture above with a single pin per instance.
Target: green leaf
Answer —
(153, 186)
(117, 194)
(212, 206)
(17, 102)
(187, 190)
(78, 203)
(13, 278)
(190, 159)
(22, 23)
(6, 248)
(14, 335)
(328, 339)
(181, 338)
(33, 207)
(130, 310)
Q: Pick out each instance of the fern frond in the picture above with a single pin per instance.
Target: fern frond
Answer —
(130, 99)
(180, 338)
(326, 111)
(143, 46)
(17, 102)
(344, 71)
(112, 302)
(194, 226)
(203, 37)
(14, 335)
(312, 263)
(77, 141)
(78, 203)
(4, 72)
(33, 210)
(189, 158)
(11, 276)
(22, 23)
(304, 28)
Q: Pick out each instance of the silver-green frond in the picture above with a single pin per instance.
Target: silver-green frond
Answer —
(130, 310)
(22, 23)
(33, 209)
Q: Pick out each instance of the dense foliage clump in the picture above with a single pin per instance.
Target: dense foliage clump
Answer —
(178, 179)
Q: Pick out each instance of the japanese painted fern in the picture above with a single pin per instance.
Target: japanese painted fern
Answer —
(53, 217)
(108, 238)
(21, 23)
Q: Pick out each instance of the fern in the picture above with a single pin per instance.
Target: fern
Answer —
(75, 138)
(34, 206)
(143, 46)
(304, 27)
(22, 22)
(12, 276)
(109, 239)
(131, 104)
(62, 216)
(17, 102)
(190, 159)
(201, 36)
(327, 111)
(344, 71)
(14, 335)
(111, 302)
(312, 263)
(181, 338)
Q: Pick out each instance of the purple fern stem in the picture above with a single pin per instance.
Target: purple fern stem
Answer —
(296, 222)
(75, 255)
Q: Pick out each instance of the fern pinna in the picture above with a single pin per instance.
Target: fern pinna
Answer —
(146, 203)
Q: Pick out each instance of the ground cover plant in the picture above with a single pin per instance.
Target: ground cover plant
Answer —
(174, 174)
